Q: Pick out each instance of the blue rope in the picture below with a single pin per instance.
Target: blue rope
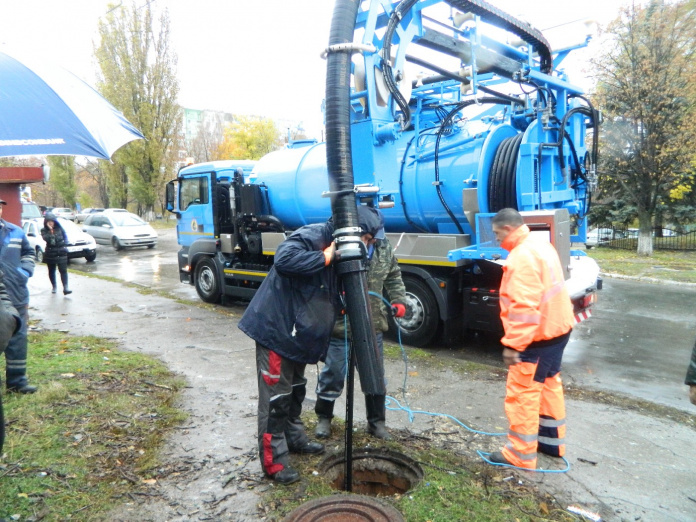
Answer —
(484, 455)
(412, 413)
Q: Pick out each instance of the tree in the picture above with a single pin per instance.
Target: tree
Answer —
(249, 138)
(209, 138)
(138, 76)
(63, 179)
(646, 82)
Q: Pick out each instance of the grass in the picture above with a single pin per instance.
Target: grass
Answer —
(453, 487)
(663, 265)
(168, 222)
(89, 437)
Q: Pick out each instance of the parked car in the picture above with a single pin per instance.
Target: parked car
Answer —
(63, 212)
(120, 230)
(110, 210)
(80, 244)
(599, 236)
(82, 215)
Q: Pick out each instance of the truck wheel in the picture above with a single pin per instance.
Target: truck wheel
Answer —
(207, 281)
(420, 325)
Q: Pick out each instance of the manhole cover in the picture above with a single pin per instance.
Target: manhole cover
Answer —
(344, 508)
(376, 472)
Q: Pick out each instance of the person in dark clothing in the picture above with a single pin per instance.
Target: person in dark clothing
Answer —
(291, 318)
(383, 274)
(17, 265)
(691, 376)
(56, 254)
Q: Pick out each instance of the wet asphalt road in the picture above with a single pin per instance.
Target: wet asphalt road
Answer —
(638, 342)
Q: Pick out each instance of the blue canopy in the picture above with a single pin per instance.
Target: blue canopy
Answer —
(46, 110)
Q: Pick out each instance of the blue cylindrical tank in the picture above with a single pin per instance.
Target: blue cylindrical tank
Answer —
(296, 177)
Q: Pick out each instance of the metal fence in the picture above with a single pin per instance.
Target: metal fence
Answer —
(625, 238)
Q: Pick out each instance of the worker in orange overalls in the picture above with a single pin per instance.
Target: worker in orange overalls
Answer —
(537, 318)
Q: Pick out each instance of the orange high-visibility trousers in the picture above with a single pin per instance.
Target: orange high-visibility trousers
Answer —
(535, 407)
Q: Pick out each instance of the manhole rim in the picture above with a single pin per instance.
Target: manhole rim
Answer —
(312, 509)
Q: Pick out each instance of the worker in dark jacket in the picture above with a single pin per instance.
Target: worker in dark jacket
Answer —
(56, 254)
(10, 322)
(17, 264)
(291, 318)
(383, 274)
(691, 376)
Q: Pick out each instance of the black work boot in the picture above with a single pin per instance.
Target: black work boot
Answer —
(324, 411)
(287, 475)
(376, 417)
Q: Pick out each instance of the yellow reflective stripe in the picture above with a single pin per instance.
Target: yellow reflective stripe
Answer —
(525, 318)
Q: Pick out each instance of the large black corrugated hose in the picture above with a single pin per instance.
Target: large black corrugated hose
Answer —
(350, 260)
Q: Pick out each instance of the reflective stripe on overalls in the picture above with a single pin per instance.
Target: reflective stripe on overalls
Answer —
(534, 405)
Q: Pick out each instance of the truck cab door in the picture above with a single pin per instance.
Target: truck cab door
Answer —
(195, 208)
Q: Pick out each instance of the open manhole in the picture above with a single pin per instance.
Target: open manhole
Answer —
(376, 472)
(345, 508)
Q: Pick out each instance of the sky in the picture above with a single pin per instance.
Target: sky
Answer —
(252, 57)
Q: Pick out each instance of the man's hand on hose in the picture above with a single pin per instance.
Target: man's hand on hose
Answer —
(511, 356)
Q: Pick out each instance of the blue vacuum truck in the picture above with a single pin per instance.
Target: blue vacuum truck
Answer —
(446, 112)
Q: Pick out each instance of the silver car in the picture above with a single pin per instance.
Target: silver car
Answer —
(82, 215)
(65, 213)
(120, 230)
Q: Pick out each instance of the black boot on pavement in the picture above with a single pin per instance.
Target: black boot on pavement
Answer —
(376, 416)
(323, 429)
(324, 411)
(287, 475)
(308, 448)
(54, 290)
(66, 291)
(499, 458)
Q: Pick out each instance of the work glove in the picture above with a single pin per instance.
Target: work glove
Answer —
(398, 310)
(329, 253)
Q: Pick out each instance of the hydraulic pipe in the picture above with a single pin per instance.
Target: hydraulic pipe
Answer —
(350, 258)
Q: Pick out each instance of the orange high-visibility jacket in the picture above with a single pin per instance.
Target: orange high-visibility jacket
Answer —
(534, 302)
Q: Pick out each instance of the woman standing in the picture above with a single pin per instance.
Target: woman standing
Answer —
(56, 254)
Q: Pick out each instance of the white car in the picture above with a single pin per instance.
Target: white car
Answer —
(120, 230)
(600, 236)
(79, 244)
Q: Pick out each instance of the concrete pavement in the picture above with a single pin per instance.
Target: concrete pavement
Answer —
(624, 465)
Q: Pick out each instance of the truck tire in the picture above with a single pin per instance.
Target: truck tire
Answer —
(420, 326)
(207, 281)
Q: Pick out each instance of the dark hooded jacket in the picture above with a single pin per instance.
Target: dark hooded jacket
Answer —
(56, 241)
(294, 310)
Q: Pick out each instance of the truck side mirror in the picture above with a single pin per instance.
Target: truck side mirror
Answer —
(171, 197)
